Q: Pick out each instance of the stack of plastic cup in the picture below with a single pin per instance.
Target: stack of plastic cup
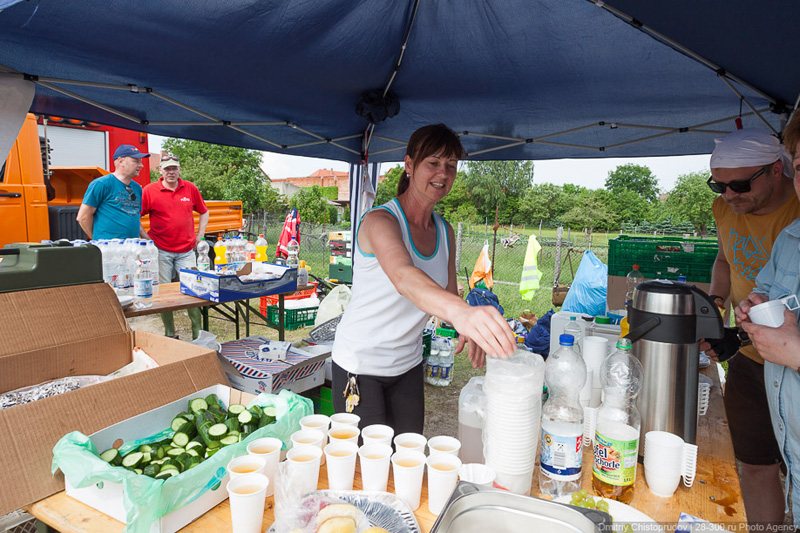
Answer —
(595, 351)
(666, 458)
(513, 390)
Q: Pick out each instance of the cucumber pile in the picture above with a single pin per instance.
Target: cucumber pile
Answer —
(200, 432)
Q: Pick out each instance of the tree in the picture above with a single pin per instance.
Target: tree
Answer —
(591, 210)
(387, 189)
(543, 202)
(451, 207)
(629, 206)
(312, 205)
(690, 201)
(636, 178)
(498, 184)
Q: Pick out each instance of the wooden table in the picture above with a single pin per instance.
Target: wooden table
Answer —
(715, 496)
(170, 298)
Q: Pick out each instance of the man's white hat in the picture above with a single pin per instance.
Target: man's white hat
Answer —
(169, 160)
(750, 148)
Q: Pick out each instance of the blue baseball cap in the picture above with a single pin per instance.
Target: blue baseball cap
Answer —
(129, 150)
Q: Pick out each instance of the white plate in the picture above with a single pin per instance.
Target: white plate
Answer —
(125, 301)
(621, 514)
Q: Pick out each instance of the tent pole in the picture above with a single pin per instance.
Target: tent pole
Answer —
(90, 102)
(746, 101)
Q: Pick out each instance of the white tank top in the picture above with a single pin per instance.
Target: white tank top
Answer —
(380, 333)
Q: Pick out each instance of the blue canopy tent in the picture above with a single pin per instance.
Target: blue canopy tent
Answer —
(518, 79)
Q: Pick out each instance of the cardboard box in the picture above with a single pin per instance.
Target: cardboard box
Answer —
(303, 369)
(108, 497)
(223, 288)
(71, 331)
(617, 286)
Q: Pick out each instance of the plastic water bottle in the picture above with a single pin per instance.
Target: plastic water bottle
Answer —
(143, 278)
(562, 421)
(293, 249)
(220, 253)
(574, 329)
(633, 279)
(261, 249)
(250, 251)
(446, 361)
(203, 259)
(432, 367)
(302, 274)
(152, 253)
(616, 438)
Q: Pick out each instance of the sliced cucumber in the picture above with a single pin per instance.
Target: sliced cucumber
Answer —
(194, 444)
(256, 411)
(197, 405)
(146, 457)
(193, 453)
(151, 470)
(145, 448)
(138, 471)
(213, 401)
(211, 451)
(271, 411)
(236, 408)
(180, 439)
(230, 439)
(112, 457)
(217, 431)
(175, 452)
(178, 422)
(245, 417)
(166, 474)
(233, 424)
(132, 460)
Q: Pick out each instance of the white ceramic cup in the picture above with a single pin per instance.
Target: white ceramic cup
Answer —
(247, 495)
(377, 433)
(341, 461)
(770, 313)
(410, 441)
(408, 467)
(374, 459)
(246, 464)
(345, 419)
(345, 433)
(443, 444)
(304, 466)
(269, 448)
(442, 480)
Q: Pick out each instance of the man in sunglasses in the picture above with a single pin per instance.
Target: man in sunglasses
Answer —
(171, 203)
(752, 173)
(112, 203)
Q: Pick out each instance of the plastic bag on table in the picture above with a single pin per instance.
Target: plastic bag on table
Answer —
(146, 500)
(333, 304)
(207, 340)
(299, 512)
(587, 295)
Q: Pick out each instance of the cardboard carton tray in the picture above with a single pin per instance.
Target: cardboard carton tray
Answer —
(72, 331)
(221, 288)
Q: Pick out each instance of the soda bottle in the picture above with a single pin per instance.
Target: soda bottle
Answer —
(633, 279)
(616, 438)
(261, 249)
(293, 249)
(143, 278)
(574, 329)
(220, 253)
(562, 421)
(203, 260)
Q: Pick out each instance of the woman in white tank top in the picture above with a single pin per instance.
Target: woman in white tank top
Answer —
(404, 271)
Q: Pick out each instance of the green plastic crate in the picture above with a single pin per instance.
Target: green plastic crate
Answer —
(292, 318)
(325, 401)
(662, 257)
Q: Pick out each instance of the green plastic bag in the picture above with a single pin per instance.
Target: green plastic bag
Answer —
(146, 499)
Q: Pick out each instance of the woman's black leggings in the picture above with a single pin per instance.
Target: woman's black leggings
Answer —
(397, 401)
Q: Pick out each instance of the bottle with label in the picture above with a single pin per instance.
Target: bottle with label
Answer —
(220, 253)
(616, 439)
(261, 249)
(302, 274)
(203, 260)
(293, 250)
(143, 278)
(446, 361)
(562, 421)
(432, 364)
(152, 252)
(574, 328)
(250, 251)
(633, 279)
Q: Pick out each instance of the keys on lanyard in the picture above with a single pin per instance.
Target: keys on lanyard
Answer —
(351, 394)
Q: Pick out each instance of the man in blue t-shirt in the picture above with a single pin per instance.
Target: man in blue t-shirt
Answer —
(112, 204)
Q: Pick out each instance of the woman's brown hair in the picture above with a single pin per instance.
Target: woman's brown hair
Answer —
(427, 141)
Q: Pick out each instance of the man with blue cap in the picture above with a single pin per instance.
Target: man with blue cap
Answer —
(112, 204)
(752, 173)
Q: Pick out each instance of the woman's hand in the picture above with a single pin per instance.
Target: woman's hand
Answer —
(476, 355)
(744, 306)
(779, 345)
(485, 327)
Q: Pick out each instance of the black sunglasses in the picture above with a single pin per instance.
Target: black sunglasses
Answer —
(130, 190)
(738, 186)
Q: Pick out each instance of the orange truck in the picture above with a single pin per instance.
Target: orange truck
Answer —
(40, 200)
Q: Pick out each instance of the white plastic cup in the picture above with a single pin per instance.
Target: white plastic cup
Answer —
(345, 419)
(443, 444)
(477, 473)
(304, 466)
(408, 467)
(770, 313)
(663, 462)
(377, 433)
(345, 433)
(308, 437)
(319, 422)
(246, 464)
(247, 495)
(374, 459)
(268, 448)
(662, 482)
(410, 441)
(443, 471)
(341, 460)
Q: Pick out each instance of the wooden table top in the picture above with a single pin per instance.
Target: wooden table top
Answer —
(715, 496)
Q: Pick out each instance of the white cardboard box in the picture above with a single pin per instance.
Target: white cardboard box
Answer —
(107, 497)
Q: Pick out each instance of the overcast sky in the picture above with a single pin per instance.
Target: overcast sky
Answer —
(590, 173)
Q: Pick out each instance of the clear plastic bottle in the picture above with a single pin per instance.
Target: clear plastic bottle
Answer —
(250, 251)
(446, 361)
(562, 421)
(616, 439)
(203, 259)
(574, 328)
(433, 366)
(302, 274)
(143, 278)
(293, 250)
(261, 249)
(220, 253)
(633, 279)
(152, 252)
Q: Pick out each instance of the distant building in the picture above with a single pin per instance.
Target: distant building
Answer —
(324, 178)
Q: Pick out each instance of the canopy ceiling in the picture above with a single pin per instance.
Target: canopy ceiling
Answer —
(521, 79)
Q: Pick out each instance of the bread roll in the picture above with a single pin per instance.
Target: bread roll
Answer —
(337, 509)
(338, 524)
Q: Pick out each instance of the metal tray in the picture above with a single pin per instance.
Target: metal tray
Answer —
(381, 508)
(476, 509)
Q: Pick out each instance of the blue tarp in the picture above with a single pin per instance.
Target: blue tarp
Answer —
(560, 78)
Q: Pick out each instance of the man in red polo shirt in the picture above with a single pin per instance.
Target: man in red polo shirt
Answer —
(171, 202)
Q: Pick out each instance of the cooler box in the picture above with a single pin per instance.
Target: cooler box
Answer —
(39, 266)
